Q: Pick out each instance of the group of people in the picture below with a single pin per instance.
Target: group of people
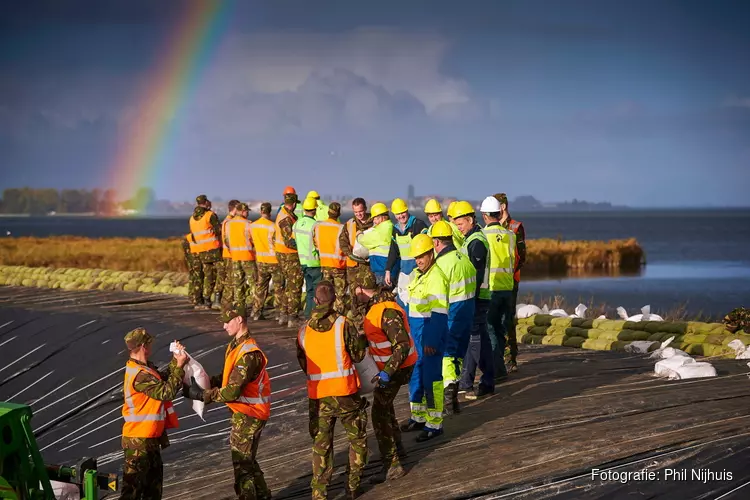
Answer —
(430, 304)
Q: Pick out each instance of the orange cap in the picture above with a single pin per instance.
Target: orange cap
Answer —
(289, 190)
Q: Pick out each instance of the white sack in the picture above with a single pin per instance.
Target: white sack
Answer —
(639, 346)
(361, 251)
(665, 367)
(693, 370)
(527, 310)
(366, 369)
(65, 491)
(195, 369)
(559, 313)
(580, 311)
(644, 316)
(740, 351)
(402, 288)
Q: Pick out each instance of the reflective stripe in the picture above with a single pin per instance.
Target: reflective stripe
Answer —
(337, 258)
(458, 298)
(440, 310)
(381, 345)
(463, 283)
(146, 418)
(254, 401)
(413, 313)
(339, 342)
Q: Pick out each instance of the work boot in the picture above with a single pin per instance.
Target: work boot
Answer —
(201, 306)
(481, 392)
(428, 434)
(255, 317)
(400, 450)
(396, 471)
(217, 302)
(292, 322)
(513, 366)
(453, 394)
(412, 426)
(283, 318)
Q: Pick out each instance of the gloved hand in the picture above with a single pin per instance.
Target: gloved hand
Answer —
(381, 379)
(192, 391)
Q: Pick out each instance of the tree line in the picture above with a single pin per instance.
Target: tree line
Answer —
(66, 201)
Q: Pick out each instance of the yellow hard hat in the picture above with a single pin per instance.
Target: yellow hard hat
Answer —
(462, 208)
(378, 209)
(441, 229)
(399, 206)
(433, 207)
(313, 194)
(309, 203)
(451, 206)
(420, 244)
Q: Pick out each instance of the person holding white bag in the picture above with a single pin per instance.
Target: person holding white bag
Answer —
(245, 387)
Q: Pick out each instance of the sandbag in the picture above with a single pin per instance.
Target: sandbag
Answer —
(556, 330)
(366, 370)
(522, 329)
(698, 327)
(597, 344)
(574, 342)
(195, 369)
(692, 338)
(585, 323)
(693, 370)
(718, 350)
(666, 366)
(714, 339)
(577, 332)
(538, 330)
(526, 321)
(642, 346)
(631, 335)
(543, 320)
(609, 324)
(562, 322)
(535, 339)
(554, 339)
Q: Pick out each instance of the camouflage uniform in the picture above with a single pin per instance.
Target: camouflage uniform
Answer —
(738, 319)
(204, 263)
(338, 278)
(351, 410)
(384, 421)
(358, 274)
(189, 264)
(249, 482)
(290, 269)
(242, 283)
(143, 471)
(266, 272)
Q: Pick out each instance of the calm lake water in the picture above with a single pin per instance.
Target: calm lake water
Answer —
(697, 258)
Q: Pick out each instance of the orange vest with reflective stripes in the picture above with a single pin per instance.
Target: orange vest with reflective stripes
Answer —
(514, 226)
(144, 417)
(380, 346)
(225, 247)
(203, 234)
(255, 399)
(262, 233)
(240, 240)
(327, 239)
(279, 245)
(351, 229)
(330, 370)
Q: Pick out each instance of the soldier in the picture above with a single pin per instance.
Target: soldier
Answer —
(289, 264)
(206, 249)
(239, 239)
(326, 237)
(517, 227)
(223, 290)
(245, 387)
(190, 268)
(263, 233)
(327, 348)
(428, 323)
(309, 258)
(357, 270)
(392, 347)
(148, 413)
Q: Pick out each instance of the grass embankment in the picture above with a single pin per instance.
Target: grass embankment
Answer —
(544, 256)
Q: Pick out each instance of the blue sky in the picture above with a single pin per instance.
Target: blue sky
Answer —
(638, 103)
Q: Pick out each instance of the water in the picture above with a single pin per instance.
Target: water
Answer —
(698, 258)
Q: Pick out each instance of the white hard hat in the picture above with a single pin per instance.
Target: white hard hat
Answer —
(490, 205)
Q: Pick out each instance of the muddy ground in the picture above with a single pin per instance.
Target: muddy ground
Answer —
(566, 412)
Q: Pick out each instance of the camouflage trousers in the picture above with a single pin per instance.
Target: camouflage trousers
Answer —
(249, 483)
(266, 272)
(223, 268)
(291, 286)
(384, 421)
(338, 278)
(143, 475)
(356, 276)
(352, 411)
(242, 279)
(204, 274)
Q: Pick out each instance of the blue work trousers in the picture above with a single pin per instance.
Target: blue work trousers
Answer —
(312, 275)
(479, 352)
(500, 324)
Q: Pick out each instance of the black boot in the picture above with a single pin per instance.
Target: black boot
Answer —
(453, 393)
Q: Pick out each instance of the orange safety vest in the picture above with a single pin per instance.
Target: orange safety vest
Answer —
(327, 238)
(380, 346)
(240, 240)
(144, 417)
(261, 231)
(514, 226)
(351, 228)
(279, 245)
(203, 234)
(225, 247)
(255, 399)
(330, 370)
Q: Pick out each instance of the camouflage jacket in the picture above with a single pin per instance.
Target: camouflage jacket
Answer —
(286, 228)
(165, 389)
(321, 320)
(247, 369)
(520, 241)
(395, 329)
(199, 212)
(344, 243)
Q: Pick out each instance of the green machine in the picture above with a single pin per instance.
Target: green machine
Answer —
(23, 474)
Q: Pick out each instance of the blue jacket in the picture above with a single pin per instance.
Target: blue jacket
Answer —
(413, 227)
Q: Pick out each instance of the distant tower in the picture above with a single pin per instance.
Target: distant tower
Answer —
(410, 195)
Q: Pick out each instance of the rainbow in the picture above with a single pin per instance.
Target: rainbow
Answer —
(145, 148)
